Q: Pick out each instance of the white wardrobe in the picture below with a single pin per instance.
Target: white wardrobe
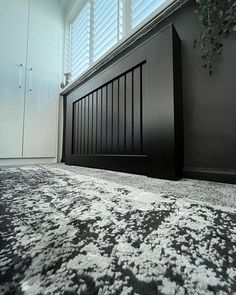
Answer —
(29, 80)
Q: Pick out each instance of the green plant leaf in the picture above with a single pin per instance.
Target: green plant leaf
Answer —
(218, 18)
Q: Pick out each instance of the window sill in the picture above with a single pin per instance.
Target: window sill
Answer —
(123, 44)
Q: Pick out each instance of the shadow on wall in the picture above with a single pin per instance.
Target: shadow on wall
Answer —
(209, 104)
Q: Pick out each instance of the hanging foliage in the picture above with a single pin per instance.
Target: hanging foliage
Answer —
(218, 18)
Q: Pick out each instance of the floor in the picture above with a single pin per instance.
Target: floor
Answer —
(68, 230)
(216, 193)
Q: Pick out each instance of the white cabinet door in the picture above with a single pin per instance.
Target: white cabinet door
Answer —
(13, 36)
(42, 86)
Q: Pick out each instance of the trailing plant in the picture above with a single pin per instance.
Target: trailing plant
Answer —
(218, 18)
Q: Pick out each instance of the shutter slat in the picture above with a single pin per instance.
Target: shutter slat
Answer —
(79, 71)
(80, 42)
(101, 50)
(100, 33)
(103, 22)
(80, 59)
(142, 9)
(83, 13)
(80, 65)
(105, 26)
(105, 37)
(80, 29)
(80, 45)
(103, 13)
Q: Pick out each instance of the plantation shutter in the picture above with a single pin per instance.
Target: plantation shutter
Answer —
(100, 24)
(140, 9)
(80, 42)
(105, 26)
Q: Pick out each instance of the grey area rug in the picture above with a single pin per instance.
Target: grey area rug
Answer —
(216, 193)
(63, 233)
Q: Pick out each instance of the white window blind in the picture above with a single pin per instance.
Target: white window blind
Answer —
(80, 40)
(142, 9)
(100, 24)
(105, 26)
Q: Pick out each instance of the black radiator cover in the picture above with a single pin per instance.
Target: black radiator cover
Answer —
(129, 116)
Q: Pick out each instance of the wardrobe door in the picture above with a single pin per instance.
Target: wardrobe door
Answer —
(13, 36)
(42, 85)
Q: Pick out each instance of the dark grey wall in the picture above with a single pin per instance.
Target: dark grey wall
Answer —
(209, 103)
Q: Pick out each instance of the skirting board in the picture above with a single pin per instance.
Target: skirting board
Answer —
(27, 161)
(218, 175)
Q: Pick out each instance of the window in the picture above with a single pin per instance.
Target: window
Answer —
(142, 9)
(105, 26)
(80, 42)
(99, 26)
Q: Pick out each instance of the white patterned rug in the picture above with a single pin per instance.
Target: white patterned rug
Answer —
(62, 233)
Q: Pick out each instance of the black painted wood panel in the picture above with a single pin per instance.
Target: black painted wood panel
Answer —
(109, 120)
(115, 117)
(99, 122)
(122, 115)
(95, 125)
(104, 120)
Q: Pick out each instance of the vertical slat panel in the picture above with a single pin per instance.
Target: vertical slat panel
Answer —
(88, 120)
(82, 125)
(115, 111)
(95, 123)
(137, 109)
(99, 122)
(79, 127)
(104, 120)
(122, 114)
(143, 89)
(86, 117)
(109, 120)
(90, 148)
(109, 117)
(129, 113)
(75, 128)
(90, 123)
